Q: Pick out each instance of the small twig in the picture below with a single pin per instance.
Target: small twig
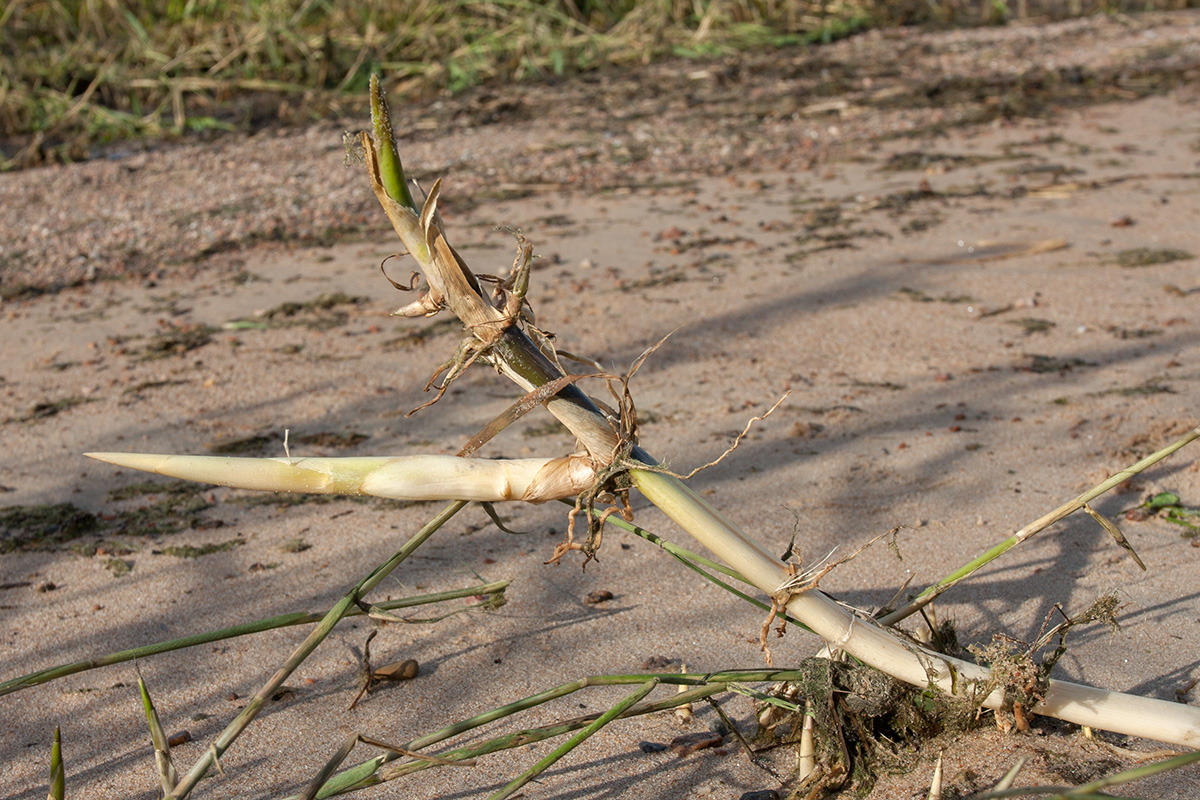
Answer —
(368, 676)
(514, 412)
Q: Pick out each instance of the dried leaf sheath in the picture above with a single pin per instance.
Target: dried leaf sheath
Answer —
(422, 477)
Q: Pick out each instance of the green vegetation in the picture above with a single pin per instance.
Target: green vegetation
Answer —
(1168, 506)
(1148, 256)
(75, 75)
(188, 551)
(319, 314)
(43, 527)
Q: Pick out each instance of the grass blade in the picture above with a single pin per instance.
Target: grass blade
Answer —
(575, 741)
(696, 562)
(1144, 771)
(330, 767)
(270, 623)
(1010, 777)
(366, 774)
(162, 749)
(1088, 790)
(58, 780)
(335, 614)
(932, 592)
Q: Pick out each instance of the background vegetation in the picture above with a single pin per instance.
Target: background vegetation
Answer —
(75, 74)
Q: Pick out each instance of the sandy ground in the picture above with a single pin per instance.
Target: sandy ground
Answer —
(955, 313)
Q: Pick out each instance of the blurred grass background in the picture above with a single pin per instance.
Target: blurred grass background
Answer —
(77, 74)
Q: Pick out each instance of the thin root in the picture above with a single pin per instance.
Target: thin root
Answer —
(740, 436)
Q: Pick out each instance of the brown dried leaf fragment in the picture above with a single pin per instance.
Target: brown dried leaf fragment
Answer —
(690, 743)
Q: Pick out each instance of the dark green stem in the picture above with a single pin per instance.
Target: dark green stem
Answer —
(576, 740)
(271, 623)
(365, 774)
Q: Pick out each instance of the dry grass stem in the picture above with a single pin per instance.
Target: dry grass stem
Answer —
(1035, 527)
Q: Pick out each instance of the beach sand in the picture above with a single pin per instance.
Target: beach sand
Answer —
(962, 318)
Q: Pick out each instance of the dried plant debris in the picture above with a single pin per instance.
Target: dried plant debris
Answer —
(327, 310)
(1147, 387)
(866, 723)
(413, 336)
(1133, 333)
(911, 160)
(340, 441)
(550, 428)
(190, 551)
(689, 743)
(259, 444)
(1032, 325)
(145, 385)
(1149, 256)
(1016, 666)
(918, 296)
(1043, 364)
(170, 508)
(146, 488)
(50, 408)
(174, 340)
(43, 527)
(119, 567)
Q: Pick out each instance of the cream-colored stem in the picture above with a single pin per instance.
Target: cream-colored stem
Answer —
(887, 651)
(422, 477)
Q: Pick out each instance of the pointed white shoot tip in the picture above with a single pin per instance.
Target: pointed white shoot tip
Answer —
(808, 750)
(935, 786)
(288, 474)
(422, 477)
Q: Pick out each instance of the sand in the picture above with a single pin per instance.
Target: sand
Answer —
(965, 352)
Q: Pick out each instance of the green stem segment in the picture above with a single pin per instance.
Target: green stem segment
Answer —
(391, 171)
(932, 592)
(697, 563)
(368, 773)
(58, 781)
(270, 623)
(576, 740)
(335, 614)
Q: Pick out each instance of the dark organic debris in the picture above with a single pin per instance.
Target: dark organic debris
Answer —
(174, 340)
(1044, 364)
(1148, 256)
(50, 408)
(43, 527)
(690, 743)
(246, 446)
(330, 439)
(189, 551)
(1032, 325)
